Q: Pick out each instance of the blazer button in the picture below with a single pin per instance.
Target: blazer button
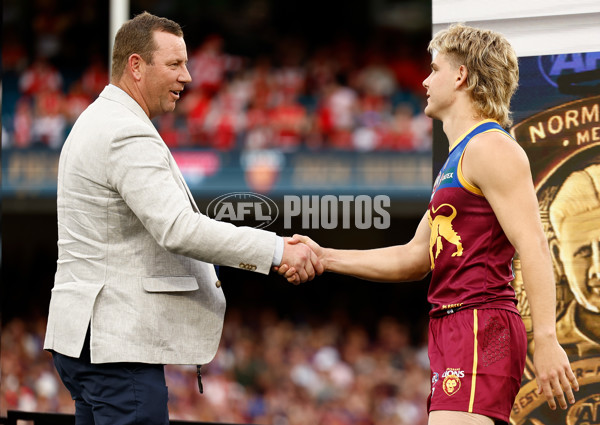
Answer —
(218, 283)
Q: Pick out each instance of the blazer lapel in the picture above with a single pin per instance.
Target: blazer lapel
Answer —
(177, 172)
(114, 93)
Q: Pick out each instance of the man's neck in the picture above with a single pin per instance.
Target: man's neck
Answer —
(460, 119)
(129, 88)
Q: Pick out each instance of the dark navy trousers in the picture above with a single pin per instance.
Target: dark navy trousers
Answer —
(114, 393)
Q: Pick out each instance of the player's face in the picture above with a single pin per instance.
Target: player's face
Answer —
(580, 255)
(440, 85)
(166, 76)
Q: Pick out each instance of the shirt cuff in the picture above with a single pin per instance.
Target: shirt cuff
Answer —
(278, 254)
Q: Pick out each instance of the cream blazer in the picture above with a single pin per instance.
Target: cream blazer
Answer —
(135, 255)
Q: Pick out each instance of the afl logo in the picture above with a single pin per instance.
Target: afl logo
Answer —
(553, 66)
(248, 208)
(585, 412)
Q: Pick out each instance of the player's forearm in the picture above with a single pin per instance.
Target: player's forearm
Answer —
(391, 264)
(538, 280)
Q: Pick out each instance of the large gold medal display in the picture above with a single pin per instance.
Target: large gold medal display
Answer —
(557, 111)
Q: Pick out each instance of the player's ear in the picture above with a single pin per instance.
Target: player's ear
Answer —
(461, 75)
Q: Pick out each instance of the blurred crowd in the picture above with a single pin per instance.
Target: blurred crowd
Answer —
(268, 370)
(346, 94)
(343, 95)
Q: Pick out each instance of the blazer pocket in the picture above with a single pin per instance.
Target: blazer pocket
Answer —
(170, 284)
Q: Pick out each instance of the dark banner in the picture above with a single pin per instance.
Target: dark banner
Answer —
(401, 175)
(557, 111)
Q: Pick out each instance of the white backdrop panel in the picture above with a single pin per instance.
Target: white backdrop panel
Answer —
(534, 27)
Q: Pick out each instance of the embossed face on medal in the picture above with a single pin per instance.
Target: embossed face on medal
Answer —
(580, 253)
(557, 126)
(575, 217)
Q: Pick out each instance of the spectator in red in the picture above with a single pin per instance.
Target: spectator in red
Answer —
(23, 122)
(195, 106)
(373, 117)
(376, 78)
(208, 65)
(49, 123)
(95, 77)
(39, 76)
(338, 113)
(399, 134)
(259, 134)
(167, 128)
(290, 76)
(262, 82)
(422, 127)
(321, 70)
(289, 122)
(223, 123)
(410, 68)
(75, 102)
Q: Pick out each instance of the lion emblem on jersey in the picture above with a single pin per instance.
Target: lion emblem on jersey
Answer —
(441, 229)
(451, 385)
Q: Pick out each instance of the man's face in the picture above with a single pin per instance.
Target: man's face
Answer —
(440, 85)
(580, 255)
(164, 79)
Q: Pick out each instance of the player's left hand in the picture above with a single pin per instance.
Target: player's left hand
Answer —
(553, 373)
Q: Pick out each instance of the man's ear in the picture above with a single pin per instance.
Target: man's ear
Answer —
(461, 75)
(136, 65)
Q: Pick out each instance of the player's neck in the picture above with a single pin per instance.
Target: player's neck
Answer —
(458, 121)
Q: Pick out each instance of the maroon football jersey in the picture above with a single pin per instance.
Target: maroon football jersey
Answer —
(471, 257)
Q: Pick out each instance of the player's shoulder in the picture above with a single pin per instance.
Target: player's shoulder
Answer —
(492, 158)
(494, 145)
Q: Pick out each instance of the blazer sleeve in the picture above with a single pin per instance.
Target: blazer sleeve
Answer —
(140, 170)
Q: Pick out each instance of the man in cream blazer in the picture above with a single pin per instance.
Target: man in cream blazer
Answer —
(135, 282)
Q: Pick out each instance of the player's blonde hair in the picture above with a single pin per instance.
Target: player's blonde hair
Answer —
(137, 36)
(491, 62)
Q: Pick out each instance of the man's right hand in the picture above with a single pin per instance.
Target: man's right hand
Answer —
(301, 263)
(292, 273)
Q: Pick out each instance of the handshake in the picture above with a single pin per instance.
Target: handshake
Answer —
(302, 259)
